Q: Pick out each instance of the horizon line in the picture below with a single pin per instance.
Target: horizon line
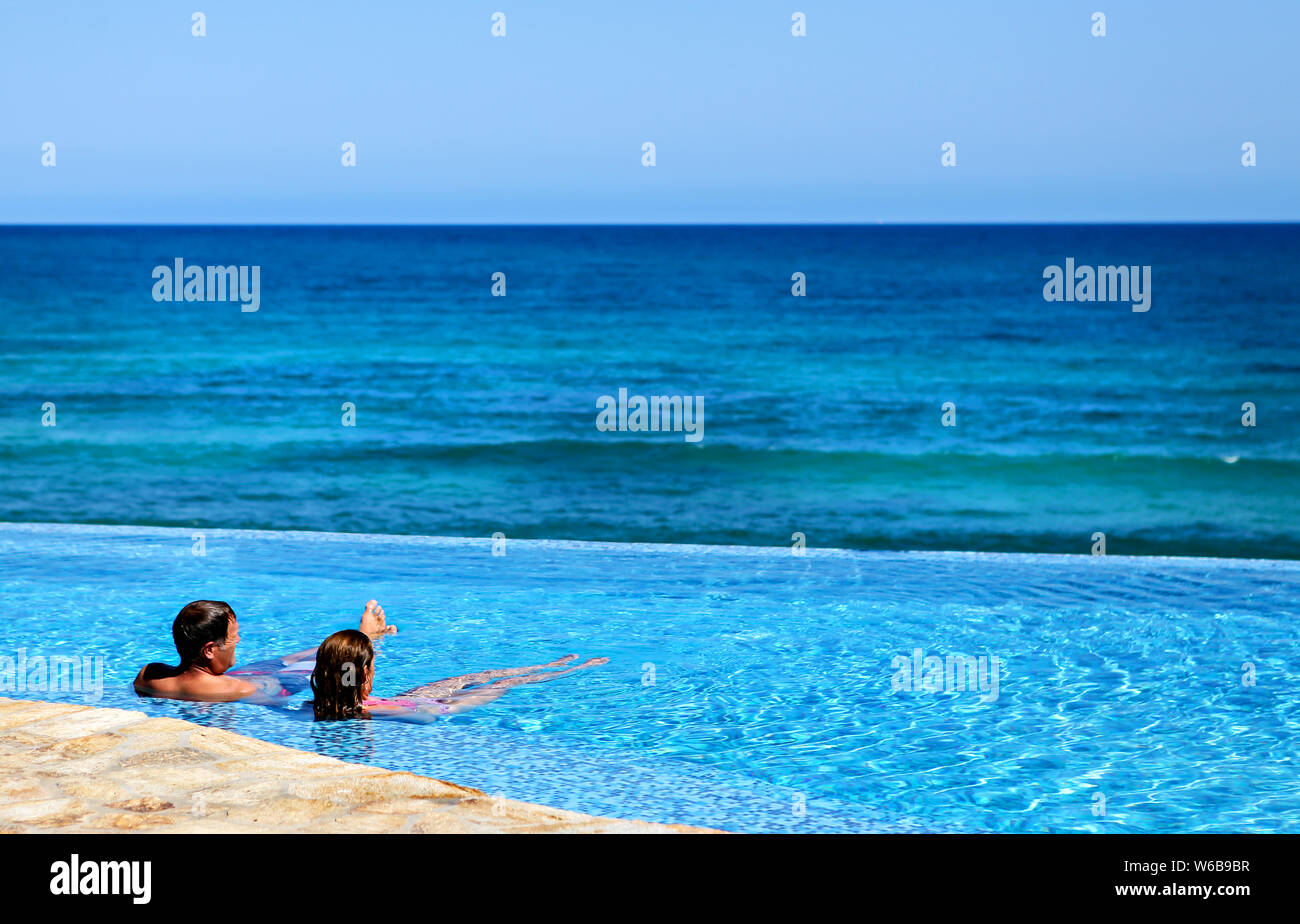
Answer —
(645, 224)
(317, 534)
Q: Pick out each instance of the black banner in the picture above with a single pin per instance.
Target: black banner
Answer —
(944, 874)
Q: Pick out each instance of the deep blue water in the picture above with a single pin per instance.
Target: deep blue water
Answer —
(476, 414)
(747, 688)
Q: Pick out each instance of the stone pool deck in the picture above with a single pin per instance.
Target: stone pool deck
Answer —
(85, 769)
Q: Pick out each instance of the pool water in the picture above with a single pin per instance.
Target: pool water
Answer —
(748, 688)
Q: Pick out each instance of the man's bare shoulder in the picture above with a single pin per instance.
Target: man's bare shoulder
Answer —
(151, 673)
(156, 680)
(167, 682)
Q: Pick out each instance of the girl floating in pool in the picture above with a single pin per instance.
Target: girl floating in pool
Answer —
(344, 674)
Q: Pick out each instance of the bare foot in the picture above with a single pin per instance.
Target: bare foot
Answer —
(560, 662)
(374, 623)
(593, 662)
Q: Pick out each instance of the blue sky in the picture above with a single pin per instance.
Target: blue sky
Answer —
(153, 125)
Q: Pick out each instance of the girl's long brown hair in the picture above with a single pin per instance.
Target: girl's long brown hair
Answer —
(339, 678)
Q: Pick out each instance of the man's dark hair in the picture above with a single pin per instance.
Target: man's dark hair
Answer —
(197, 624)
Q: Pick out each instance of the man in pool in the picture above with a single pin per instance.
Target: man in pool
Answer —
(206, 633)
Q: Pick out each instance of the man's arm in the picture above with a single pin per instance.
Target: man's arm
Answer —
(373, 623)
(275, 665)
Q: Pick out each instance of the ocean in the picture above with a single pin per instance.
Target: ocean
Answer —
(823, 414)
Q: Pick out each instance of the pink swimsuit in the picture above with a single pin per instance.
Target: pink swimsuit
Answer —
(403, 703)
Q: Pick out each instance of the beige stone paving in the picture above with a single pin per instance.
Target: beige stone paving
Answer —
(75, 769)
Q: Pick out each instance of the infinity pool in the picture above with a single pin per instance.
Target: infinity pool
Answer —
(748, 689)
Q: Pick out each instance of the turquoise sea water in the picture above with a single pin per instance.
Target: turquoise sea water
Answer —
(772, 674)
(476, 414)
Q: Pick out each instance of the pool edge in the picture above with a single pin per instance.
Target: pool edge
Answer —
(88, 769)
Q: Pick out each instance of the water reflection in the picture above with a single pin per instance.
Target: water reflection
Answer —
(214, 715)
(350, 741)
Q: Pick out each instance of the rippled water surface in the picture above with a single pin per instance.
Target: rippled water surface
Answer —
(747, 689)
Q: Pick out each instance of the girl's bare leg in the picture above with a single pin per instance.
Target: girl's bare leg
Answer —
(503, 685)
(467, 699)
(455, 684)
